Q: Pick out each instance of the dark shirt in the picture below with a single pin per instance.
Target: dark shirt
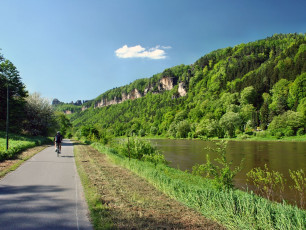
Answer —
(58, 138)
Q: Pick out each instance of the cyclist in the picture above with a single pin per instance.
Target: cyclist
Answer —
(58, 140)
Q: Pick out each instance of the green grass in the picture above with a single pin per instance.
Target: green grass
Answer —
(18, 143)
(98, 212)
(234, 209)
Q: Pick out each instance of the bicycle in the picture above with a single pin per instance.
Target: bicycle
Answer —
(57, 149)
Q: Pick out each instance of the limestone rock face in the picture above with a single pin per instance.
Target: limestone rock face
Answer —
(134, 94)
(166, 83)
(182, 89)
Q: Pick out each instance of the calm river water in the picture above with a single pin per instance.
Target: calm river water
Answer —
(279, 156)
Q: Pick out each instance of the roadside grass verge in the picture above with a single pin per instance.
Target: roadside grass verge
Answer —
(98, 212)
(120, 199)
(234, 209)
(18, 143)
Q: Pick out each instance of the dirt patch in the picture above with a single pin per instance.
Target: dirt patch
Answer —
(133, 203)
(9, 165)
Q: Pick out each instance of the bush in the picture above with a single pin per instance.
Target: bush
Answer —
(183, 128)
(230, 122)
(299, 186)
(279, 135)
(155, 158)
(244, 136)
(207, 127)
(266, 182)
(289, 132)
(172, 129)
(69, 135)
(222, 173)
(300, 132)
(136, 148)
(89, 132)
(141, 133)
(286, 122)
(153, 130)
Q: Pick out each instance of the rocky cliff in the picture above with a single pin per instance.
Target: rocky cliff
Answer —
(166, 83)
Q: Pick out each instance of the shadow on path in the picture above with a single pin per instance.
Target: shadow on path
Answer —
(30, 207)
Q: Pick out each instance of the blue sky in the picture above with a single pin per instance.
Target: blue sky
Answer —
(78, 49)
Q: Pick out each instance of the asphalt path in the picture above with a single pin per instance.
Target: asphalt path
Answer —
(44, 193)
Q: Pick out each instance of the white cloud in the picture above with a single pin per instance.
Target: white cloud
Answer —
(140, 52)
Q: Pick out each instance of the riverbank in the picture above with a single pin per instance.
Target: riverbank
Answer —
(239, 138)
(234, 209)
(119, 199)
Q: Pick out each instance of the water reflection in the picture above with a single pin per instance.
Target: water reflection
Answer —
(279, 156)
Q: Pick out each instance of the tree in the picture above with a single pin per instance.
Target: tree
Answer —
(287, 123)
(230, 122)
(247, 113)
(248, 95)
(182, 129)
(63, 122)
(279, 97)
(208, 127)
(9, 75)
(264, 111)
(40, 118)
(297, 91)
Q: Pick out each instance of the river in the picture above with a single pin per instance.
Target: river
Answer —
(279, 156)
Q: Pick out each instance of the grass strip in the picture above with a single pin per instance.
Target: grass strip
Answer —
(19, 143)
(129, 201)
(234, 209)
(98, 212)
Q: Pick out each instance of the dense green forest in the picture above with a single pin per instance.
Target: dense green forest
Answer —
(230, 92)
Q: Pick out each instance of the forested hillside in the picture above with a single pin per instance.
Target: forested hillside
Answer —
(228, 92)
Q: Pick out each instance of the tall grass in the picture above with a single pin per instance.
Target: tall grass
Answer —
(18, 143)
(234, 209)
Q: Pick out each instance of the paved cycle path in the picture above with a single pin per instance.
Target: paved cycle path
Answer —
(44, 193)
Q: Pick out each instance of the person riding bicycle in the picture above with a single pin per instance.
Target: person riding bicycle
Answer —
(58, 141)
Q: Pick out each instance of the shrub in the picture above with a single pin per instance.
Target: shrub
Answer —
(141, 133)
(136, 148)
(222, 173)
(172, 129)
(299, 186)
(89, 132)
(153, 130)
(244, 136)
(156, 158)
(279, 135)
(183, 128)
(285, 122)
(230, 122)
(300, 132)
(266, 182)
(262, 134)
